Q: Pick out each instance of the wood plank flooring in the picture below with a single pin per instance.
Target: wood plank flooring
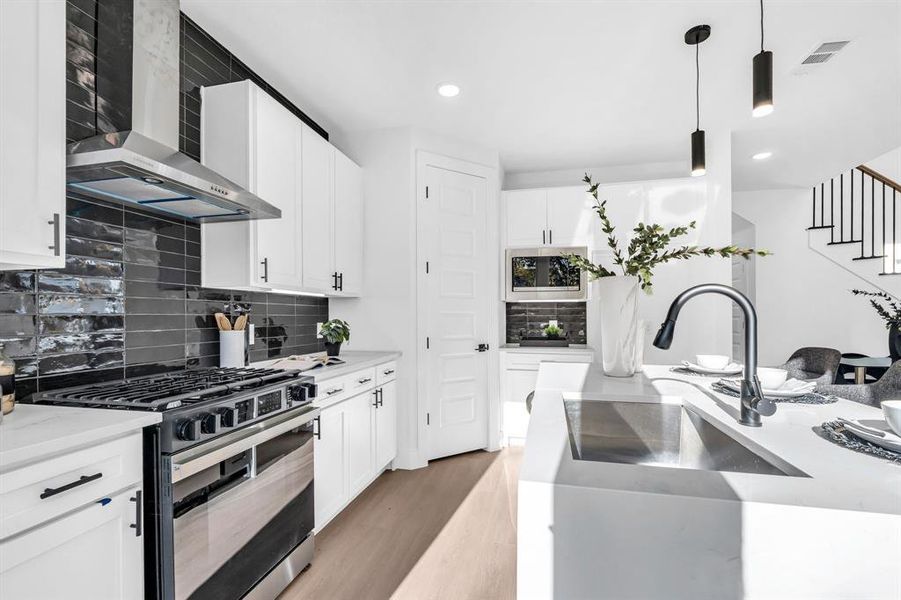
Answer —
(447, 531)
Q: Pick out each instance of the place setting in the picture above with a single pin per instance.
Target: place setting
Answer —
(879, 437)
(709, 365)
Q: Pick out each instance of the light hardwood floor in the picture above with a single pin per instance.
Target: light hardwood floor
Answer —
(447, 531)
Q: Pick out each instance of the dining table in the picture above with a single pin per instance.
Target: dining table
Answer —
(861, 365)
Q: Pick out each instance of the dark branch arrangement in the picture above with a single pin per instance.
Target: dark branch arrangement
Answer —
(648, 247)
(890, 311)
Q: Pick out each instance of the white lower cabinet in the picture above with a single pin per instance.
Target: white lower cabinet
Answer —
(357, 439)
(71, 526)
(386, 425)
(519, 373)
(92, 553)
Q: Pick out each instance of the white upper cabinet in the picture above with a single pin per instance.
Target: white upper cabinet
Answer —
(548, 217)
(570, 217)
(253, 140)
(317, 244)
(348, 226)
(32, 134)
(526, 218)
(318, 164)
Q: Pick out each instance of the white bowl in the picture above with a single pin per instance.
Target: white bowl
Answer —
(771, 379)
(712, 361)
(892, 411)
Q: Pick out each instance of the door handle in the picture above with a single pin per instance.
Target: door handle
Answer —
(55, 222)
(137, 525)
(265, 263)
(482, 348)
(335, 281)
(340, 282)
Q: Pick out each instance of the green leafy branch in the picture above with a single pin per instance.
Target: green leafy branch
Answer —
(890, 313)
(649, 247)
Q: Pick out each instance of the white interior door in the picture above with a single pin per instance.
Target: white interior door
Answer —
(456, 303)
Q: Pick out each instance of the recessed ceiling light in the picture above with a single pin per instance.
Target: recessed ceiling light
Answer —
(762, 155)
(448, 90)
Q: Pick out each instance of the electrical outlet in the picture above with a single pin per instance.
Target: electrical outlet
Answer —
(318, 335)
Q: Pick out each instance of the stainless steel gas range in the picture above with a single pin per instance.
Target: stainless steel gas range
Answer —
(228, 477)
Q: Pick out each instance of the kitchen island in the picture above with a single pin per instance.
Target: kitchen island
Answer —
(799, 517)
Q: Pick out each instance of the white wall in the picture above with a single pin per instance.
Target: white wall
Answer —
(888, 164)
(603, 174)
(385, 317)
(803, 297)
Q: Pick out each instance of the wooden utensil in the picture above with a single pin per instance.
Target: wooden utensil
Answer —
(241, 323)
(223, 322)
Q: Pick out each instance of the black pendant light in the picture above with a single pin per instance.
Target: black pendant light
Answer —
(694, 37)
(763, 77)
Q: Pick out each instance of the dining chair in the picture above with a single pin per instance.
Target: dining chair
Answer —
(819, 365)
(887, 387)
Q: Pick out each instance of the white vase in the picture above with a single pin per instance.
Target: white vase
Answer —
(621, 345)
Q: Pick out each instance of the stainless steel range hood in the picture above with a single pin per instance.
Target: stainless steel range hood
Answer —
(138, 52)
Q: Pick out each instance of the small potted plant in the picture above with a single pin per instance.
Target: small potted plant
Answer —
(553, 332)
(889, 310)
(335, 332)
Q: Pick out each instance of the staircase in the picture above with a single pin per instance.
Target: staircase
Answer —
(854, 224)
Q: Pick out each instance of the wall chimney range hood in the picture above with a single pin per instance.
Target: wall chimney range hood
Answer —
(138, 164)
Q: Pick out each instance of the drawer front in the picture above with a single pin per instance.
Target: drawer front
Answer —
(530, 361)
(362, 380)
(386, 372)
(332, 391)
(39, 492)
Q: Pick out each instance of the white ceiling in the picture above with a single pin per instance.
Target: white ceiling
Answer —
(556, 85)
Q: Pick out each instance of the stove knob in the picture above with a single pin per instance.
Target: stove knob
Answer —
(188, 430)
(228, 416)
(209, 423)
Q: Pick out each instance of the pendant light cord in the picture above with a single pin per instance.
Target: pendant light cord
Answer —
(698, 86)
(761, 25)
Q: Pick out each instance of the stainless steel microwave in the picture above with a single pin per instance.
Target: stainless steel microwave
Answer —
(544, 274)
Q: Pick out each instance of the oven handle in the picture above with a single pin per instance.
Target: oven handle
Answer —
(194, 460)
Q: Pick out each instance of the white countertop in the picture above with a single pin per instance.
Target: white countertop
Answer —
(354, 360)
(32, 433)
(838, 478)
(545, 349)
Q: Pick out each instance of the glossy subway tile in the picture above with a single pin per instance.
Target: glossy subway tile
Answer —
(49, 281)
(80, 324)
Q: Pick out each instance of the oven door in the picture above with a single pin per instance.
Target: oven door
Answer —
(545, 274)
(241, 505)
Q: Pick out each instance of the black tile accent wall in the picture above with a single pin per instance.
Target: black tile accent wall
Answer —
(129, 301)
(94, 108)
(530, 318)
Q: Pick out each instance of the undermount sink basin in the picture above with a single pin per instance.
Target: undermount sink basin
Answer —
(660, 435)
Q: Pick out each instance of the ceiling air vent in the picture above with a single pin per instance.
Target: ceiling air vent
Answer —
(819, 55)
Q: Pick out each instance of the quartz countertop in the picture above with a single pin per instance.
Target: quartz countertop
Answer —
(581, 348)
(32, 433)
(354, 360)
(838, 478)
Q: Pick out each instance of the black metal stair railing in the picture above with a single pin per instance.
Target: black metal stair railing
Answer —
(869, 208)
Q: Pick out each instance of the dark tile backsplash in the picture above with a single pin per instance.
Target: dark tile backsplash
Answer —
(530, 318)
(116, 311)
(94, 108)
(129, 301)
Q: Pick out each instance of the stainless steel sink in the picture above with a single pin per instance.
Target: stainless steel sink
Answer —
(661, 435)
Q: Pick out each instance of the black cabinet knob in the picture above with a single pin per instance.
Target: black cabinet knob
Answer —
(209, 423)
(188, 430)
(228, 416)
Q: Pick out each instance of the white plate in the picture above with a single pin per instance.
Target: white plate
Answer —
(736, 387)
(730, 369)
(882, 442)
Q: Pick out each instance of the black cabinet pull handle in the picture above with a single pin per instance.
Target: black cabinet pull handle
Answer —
(65, 488)
(364, 380)
(387, 371)
(376, 394)
(335, 281)
(550, 236)
(265, 263)
(340, 282)
(55, 222)
(380, 397)
(137, 525)
(543, 239)
(318, 431)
